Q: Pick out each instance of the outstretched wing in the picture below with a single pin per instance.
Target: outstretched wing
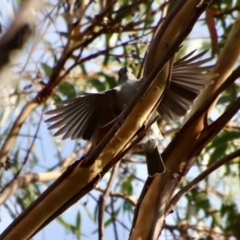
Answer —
(188, 80)
(82, 116)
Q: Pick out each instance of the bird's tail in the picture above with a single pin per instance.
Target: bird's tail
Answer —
(154, 162)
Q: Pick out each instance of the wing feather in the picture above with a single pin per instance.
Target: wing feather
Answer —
(188, 80)
(82, 116)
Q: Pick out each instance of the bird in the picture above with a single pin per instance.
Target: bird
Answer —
(81, 117)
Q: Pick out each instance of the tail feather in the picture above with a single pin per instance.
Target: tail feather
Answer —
(154, 163)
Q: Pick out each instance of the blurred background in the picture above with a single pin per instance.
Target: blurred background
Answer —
(71, 47)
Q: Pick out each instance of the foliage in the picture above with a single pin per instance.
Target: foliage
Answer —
(79, 46)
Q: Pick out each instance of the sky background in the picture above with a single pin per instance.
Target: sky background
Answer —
(45, 148)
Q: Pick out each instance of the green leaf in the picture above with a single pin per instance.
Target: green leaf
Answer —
(67, 89)
(78, 221)
(127, 206)
(228, 95)
(56, 98)
(127, 187)
(47, 69)
(111, 81)
(108, 222)
(100, 86)
(66, 225)
(221, 143)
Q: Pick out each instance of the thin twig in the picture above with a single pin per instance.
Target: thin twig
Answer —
(102, 201)
(54, 79)
(30, 177)
(28, 153)
(114, 219)
(130, 199)
(107, 211)
(200, 177)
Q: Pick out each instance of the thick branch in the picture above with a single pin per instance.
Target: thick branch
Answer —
(52, 200)
(178, 158)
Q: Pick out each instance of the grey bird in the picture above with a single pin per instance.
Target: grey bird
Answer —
(81, 117)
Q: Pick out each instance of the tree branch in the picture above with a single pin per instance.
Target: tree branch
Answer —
(200, 177)
(102, 202)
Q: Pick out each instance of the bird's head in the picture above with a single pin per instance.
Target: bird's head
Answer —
(125, 74)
